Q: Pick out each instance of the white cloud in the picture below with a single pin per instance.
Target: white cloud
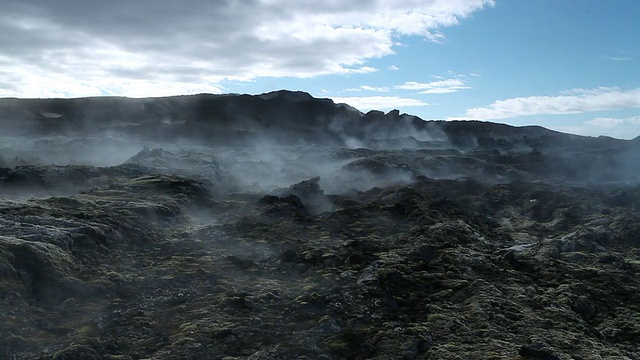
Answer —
(618, 58)
(393, 68)
(626, 131)
(606, 122)
(377, 89)
(583, 91)
(435, 87)
(365, 103)
(611, 122)
(163, 42)
(38, 83)
(459, 118)
(582, 100)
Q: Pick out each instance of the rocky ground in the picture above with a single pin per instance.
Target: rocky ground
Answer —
(481, 251)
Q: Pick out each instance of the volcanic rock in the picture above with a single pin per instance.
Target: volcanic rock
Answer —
(280, 226)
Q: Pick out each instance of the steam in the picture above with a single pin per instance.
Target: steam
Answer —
(236, 144)
(64, 150)
(259, 160)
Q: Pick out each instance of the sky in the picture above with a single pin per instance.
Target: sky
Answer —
(571, 66)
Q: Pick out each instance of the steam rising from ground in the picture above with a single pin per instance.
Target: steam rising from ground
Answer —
(272, 148)
(261, 162)
(63, 150)
(267, 167)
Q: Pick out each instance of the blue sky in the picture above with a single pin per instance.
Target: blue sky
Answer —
(572, 66)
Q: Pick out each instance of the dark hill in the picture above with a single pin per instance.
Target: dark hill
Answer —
(205, 116)
(286, 117)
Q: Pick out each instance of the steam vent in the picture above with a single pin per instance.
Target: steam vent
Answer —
(281, 226)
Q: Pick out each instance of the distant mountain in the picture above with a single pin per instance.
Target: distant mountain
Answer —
(288, 115)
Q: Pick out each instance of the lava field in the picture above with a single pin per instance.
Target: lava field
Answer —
(280, 226)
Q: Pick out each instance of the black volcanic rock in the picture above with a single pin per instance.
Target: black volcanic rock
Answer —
(538, 351)
(280, 226)
(310, 194)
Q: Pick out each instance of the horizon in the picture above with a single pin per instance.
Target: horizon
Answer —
(567, 68)
(362, 113)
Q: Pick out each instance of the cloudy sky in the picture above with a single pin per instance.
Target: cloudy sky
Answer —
(568, 65)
